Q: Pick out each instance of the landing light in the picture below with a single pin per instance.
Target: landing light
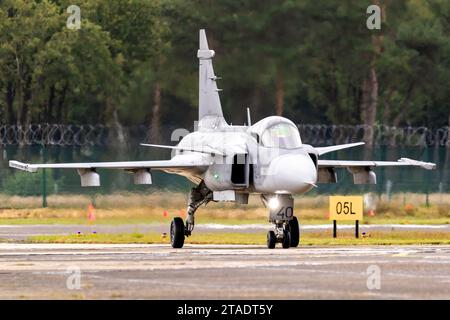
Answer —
(274, 203)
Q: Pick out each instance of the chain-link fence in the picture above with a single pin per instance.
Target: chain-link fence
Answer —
(80, 143)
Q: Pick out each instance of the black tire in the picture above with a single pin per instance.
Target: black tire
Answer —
(271, 239)
(295, 232)
(177, 233)
(286, 239)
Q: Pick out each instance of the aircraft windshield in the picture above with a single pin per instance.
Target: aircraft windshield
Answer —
(281, 135)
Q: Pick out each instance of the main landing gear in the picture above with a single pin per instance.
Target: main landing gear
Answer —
(287, 230)
(178, 230)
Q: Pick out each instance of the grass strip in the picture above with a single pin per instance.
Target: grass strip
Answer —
(307, 239)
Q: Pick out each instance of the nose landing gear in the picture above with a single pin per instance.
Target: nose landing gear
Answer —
(286, 231)
(284, 234)
(271, 239)
(286, 241)
(294, 230)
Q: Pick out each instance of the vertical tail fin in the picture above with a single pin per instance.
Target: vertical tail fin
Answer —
(209, 101)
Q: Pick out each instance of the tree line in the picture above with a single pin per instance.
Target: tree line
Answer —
(134, 61)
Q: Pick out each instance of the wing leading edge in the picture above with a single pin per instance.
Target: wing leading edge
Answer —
(362, 170)
(354, 163)
(125, 165)
(189, 166)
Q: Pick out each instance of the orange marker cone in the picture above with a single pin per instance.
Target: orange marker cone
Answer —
(165, 213)
(91, 213)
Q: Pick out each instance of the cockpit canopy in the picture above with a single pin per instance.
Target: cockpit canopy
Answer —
(276, 132)
(281, 135)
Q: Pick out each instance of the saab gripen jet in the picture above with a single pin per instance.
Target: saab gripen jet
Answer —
(228, 163)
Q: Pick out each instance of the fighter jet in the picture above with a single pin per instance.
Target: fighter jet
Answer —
(228, 163)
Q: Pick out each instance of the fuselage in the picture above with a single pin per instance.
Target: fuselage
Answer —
(267, 157)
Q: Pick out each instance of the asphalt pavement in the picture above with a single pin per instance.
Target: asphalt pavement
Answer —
(101, 271)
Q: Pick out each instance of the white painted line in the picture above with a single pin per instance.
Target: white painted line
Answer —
(322, 226)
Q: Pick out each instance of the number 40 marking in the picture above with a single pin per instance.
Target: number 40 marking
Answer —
(287, 212)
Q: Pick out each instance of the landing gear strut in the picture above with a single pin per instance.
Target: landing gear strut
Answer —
(286, 230)
(198, 196)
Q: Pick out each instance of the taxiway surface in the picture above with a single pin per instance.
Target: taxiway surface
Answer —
(50, 271)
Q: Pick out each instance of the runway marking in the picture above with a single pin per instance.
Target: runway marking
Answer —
(150, 265)
(401, 254)
(24, 248)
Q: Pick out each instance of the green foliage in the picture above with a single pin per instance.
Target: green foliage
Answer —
(25, 184)
(316, 238)
(307, 58)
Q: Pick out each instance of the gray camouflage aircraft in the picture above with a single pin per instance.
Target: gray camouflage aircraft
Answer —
(227, 163)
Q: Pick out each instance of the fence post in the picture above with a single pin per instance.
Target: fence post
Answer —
(427, 177)
(44, 179)
(44, 189)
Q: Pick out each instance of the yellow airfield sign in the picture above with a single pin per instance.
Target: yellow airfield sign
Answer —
(346, 208)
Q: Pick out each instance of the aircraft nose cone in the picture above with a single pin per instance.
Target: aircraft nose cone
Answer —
(293, 173)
